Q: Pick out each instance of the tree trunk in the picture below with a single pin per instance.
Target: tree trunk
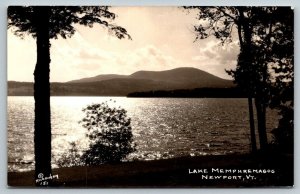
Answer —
(261, 123)
(245, 47)
(42, 122)
(252, 126)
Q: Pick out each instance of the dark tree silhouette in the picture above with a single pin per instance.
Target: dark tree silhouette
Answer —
(282, 88)
(110, 137)
(260, 32)
(110, 134)
(45, 23)
(220, 22)
(270, 27)
(273, 45)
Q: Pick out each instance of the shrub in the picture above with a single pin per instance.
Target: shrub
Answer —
(109, 132)
(283, 135)
(71, 158)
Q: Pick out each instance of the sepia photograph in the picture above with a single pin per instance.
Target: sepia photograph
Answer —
(150, 96)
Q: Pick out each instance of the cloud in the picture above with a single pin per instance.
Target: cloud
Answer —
(85, 54)
(88, 66)
(209, 54)
(151, 58)
(145, 58)
(229, 53)
(215, 58)
(88, 61)
(162, 38)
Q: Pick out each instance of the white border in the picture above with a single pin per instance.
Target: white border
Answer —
(3, 90)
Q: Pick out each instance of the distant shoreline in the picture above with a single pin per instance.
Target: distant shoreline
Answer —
(122, 85)
(192, 93)
(93, 89)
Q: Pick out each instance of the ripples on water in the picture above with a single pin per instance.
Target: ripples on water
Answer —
(162, 127)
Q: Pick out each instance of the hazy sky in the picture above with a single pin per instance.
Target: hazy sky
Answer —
(162, 39)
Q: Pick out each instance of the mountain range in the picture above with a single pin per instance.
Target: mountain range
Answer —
(122, 85)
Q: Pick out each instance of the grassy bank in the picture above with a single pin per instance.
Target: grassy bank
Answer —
(202, 171)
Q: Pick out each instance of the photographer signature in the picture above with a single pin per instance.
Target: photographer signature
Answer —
(42, 180)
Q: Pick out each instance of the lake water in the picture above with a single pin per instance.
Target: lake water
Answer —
(162, 127)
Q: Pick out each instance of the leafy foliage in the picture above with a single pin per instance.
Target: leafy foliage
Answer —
(266, 60)
(110, 137)
(215, 21)
(109, 132)
(284, 134)
(71, 158)
(276, 46)
(62, 20)
(45, 23)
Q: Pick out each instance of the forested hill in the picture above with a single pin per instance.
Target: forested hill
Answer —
(184, 75)
(122, 85)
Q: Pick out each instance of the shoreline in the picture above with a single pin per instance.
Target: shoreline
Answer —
(185, 172)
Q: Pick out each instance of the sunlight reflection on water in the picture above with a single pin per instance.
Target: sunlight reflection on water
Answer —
(162, 127)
